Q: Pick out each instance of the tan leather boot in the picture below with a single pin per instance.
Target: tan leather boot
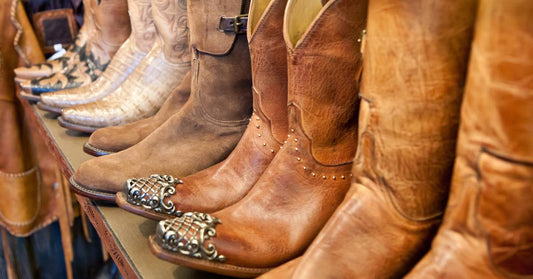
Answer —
(208, 126)
(488, 228)
(217, 187)
(123, 63)
(309, 176)
(145, 90)
(415, 64)
(113, 139)
(47, 68)
(112, 28)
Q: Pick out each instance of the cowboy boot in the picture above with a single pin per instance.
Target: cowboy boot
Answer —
(113, 139)
(488, 227)
(128, 56)
(48, 68)
(207, 127)
(415, 63)
(268, 127)
(112, 28)
(309, 176)
(145, 90)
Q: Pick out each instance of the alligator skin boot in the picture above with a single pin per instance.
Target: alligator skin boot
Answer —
(217, 187)
(145, 90)
(63, 63)
(128, 56)
(415, 63)
(113, 139)
(112, 28)
(208, 127)
(309, 176)
(488, 227)
(48, 68)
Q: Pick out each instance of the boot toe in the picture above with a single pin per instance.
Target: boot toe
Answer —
(187, 235)
(151, 192)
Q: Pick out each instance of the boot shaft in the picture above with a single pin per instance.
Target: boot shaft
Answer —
(143, 31)
(324, 62)
(493, 178)
(221, 74)
(269, 63)
(170, 18)
(415, 63)
(112, 26)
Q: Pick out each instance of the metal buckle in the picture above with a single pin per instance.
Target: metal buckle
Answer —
(237, 24)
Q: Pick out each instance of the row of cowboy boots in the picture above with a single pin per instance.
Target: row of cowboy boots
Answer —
(288, 191)
(106, 27)
(146, 69)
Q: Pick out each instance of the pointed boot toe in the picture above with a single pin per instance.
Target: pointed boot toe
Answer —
(188, 235)
(152, 193)
(94, 179)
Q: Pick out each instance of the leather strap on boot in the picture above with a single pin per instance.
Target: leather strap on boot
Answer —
(237, 24)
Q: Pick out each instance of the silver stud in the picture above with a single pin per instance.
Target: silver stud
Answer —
(257, 126)
(288, 136)
(296, 149)
(313, 174)
(292, 130)
(280, 147)
(295, 140)
(343, 177)
(257, 118)
(285, 142)
(323, 177)
(259, 135)
(334, 177)
(299, 159)
(305, 168)
(264, 144)
(271, 150)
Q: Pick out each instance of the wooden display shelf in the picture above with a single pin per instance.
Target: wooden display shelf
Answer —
(124, 235)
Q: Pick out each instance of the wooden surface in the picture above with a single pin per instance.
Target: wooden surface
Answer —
(125, 235)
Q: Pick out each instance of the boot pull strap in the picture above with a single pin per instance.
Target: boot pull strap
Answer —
(237, 24)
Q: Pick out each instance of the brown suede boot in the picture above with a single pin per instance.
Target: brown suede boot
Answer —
(208, 126)
(217, 187)
(64, 62)
(146, 89)
(488, 227)
(113, 139)
(414, 71)
(123, 63)
(308, 178)
(112, 28)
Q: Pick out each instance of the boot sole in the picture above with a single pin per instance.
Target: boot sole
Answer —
(48, 108)
(122, 201)
(76, 127)
(204, 265)
(95, 195)
(30, 97)
(95, 151)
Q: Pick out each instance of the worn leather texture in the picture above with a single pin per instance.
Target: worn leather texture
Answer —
(488, 228)
(112, 28)
(415, 63)
(27, 169)
(121, 66)
(201, 134)
(44, 69)
(300, 189)
(143, 93)
(216, 187)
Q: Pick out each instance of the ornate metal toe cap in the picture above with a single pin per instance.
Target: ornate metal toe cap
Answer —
(151, 193)
(187, 235)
